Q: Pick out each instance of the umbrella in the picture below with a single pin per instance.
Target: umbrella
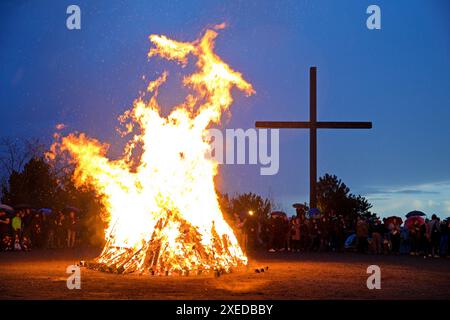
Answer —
(349, 242)
(6, 208)
(412, 220)
(393, 219)
(278, 214)
(415, 213)
(45, 210)
(68, 209)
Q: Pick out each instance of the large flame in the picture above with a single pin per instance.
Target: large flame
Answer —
(162, 204)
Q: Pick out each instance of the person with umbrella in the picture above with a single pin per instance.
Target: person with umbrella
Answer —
(413, 224)
(415, 213)
(5, 229)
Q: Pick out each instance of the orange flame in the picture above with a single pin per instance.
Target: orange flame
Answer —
(163, 209)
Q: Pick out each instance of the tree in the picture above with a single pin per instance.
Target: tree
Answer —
(244, 203)
(254, 223)
(34, 185)
(14, 154)
(92, 213)
(334, 197)
(30, 178)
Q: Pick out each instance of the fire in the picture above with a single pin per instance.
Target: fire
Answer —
(162, 205)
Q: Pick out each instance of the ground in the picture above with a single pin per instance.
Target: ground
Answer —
(41, 275)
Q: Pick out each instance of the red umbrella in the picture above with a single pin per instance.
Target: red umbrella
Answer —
(412, 220)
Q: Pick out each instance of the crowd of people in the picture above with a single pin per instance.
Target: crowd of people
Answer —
(335, 233)
(25, 229)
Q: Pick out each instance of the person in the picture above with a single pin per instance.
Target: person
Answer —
(265, 233)
(26, 243)
(435, 234)
(49, 222)
(27, 218)
(280, 233)
(16, 225)
(394, 229)
(37, 230)
(414, 237)
(324, 233)
(448, 238)
(238, 227)
(71, 229)
(341, 233)
(285, 234)
(272, 232)
(377, 236)
(443, 248)
(362, 233)
(304, 234)
(251, 231)
(60, 232)
(425, 239)
(405, 245)
(17, 246)
(295, 229)
(315, 236)
(5, 228)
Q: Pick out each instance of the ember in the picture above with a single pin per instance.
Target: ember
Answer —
(163, 211)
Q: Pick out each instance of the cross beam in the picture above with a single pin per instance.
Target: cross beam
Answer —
(313, 125)
(319, 125)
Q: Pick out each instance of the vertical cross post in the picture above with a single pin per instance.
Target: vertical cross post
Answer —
(313, 125)
(313, 137)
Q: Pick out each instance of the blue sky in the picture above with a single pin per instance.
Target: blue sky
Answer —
(398, 77)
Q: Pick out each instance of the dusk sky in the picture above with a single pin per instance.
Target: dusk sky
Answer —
(397, 77)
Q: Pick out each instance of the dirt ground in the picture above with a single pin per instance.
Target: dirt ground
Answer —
(41, 275)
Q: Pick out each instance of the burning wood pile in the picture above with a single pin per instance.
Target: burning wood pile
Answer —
(163, 212)
(156, 257)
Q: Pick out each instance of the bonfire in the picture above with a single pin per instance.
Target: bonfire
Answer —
(162, 208)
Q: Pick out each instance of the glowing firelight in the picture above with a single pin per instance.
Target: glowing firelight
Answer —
(162, 205)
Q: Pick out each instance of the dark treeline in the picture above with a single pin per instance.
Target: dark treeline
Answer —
(343, 222)
(260, 226)
(45, 198)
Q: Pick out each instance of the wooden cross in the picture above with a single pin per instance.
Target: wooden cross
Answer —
(313, 125)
